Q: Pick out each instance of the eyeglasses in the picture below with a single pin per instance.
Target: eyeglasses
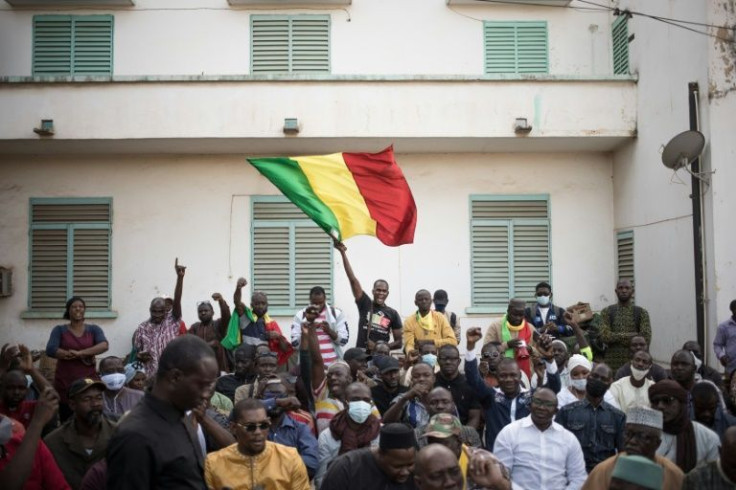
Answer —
(486, 355)
(544, 403)
(666, 400)
(254, 427)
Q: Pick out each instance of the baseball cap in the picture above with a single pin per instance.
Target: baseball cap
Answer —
(356, 353)
(386, 363)
(443, 425)
(83, 384)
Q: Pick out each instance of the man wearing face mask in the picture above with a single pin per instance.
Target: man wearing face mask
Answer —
(545, 316)
(580, 368)
(284, 430)
(638, 343)
(633, 391)
(598, 425)
(82, 440)
(117, 399)
(353, 428)
(702, 370)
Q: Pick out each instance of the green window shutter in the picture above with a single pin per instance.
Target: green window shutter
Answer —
(70, 253)
(72, 45)
(490, 263)
(93, 45)
(290, 254)
(52, 45)
(620, 39)
(516, 47)
(269, 45)
(310, 45)
(625, 255)
(290, 44)
(510, 250)
(48, 276)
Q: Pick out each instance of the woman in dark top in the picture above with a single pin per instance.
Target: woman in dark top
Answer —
(74, 346)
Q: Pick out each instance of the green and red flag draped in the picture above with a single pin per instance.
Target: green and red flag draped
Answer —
(348, 194)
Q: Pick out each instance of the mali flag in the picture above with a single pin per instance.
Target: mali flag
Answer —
(348, 194)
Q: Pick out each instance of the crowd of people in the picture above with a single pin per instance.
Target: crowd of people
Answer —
(543, 398)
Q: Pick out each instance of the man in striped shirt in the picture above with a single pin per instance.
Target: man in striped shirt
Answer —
(332, 328)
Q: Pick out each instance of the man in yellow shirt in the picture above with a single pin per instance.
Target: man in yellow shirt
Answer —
(427, 324)
(444, 429)
(254, 462)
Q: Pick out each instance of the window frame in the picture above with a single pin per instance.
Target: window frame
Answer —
(515, 24)
(73, 19)
(70, 227)
(293, 306)
(291, 18)
(486, 308)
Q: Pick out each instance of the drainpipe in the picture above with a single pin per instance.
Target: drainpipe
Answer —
(696, 198)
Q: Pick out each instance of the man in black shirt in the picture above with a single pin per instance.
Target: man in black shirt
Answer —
(244, 372)
(449, 377)
(377, 321)
(389, 387)
(154, 446)
(389, 466)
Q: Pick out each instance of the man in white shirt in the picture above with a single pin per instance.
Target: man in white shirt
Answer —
(539, 452)
(633, 391)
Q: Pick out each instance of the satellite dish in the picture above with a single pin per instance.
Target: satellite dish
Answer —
(683, 149)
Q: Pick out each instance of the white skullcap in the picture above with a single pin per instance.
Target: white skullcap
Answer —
(644, 416)
(578, 360)
(559, 342)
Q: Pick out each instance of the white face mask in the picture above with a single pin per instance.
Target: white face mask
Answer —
(113, 381)
(542, 300)
(579, 384)
(639, 374)
(359, 411)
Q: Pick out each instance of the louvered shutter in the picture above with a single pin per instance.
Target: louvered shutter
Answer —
(72, 45)
(531, 47)
(290, 254)
(48, 276)
(516, 47)
(509, 249)
(531, 258)
(269, 45)
(620, 40)
(625, 255)
(93, 45)
(490, 264)
(310, 45)
(70, 253)
(290, 44)
(52, 45)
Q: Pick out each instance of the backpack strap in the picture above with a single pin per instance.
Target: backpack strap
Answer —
(453, 319)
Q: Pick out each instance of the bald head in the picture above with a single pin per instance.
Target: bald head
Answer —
(437, 467)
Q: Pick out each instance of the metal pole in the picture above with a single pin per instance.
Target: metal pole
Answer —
(696, 198)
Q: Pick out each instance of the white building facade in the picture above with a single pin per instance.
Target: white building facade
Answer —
(155, 108)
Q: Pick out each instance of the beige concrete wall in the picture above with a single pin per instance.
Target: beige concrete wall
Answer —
(197, 208)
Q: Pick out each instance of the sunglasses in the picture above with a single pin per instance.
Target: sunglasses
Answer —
(487, 355)
(254, 427)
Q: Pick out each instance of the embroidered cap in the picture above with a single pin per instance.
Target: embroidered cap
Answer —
(644, 416)
(640, 471)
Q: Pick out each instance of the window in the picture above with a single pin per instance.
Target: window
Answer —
(620, 38)
(290, 254)
(625, 255)
(72, 45)
(70, 254)
(290, 44)
(516, 47)
(509, 238)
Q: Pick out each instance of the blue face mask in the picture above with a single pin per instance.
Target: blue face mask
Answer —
(542, 300)
(430, 359)
(440, 307)
(359, 411)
